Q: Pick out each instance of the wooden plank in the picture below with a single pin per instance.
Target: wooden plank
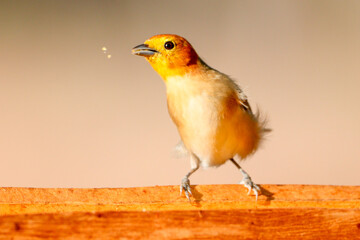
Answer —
(206, 197)
(217, 224)
(217, 211)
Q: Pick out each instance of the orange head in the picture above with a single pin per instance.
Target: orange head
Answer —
(168, 54)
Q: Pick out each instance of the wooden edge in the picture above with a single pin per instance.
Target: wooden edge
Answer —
(167, 198)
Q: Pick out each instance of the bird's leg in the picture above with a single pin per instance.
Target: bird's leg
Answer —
(246, 181)
(185, 183)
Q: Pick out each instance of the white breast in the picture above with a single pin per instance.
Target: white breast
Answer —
(193, 103)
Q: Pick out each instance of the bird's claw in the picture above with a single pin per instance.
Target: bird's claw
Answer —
(250, 185)
(185, 185)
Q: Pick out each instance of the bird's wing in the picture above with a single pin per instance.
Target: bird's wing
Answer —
(246, 106)
(243, 100)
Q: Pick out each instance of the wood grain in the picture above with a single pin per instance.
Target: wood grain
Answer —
(216, 212)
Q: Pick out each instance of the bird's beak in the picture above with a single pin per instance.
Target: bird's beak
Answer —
(143, 50)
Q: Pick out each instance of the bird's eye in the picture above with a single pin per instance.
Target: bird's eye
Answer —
(169, 45)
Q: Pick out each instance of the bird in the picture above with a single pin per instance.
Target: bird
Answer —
(211, 112)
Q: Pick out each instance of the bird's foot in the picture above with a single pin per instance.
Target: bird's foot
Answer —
(185, 185)
(250, 185)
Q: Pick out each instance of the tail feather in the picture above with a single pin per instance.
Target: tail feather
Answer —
(262, 123)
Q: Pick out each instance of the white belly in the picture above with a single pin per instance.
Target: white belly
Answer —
(198, 115)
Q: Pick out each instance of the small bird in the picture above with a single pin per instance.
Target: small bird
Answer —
(211, 112)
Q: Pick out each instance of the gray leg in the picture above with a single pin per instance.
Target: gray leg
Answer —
(246, 181)
(185, 183)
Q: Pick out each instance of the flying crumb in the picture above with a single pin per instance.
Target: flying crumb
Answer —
(109, 56)
(104, 49)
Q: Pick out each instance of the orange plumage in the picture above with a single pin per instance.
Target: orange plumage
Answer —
(211, 112)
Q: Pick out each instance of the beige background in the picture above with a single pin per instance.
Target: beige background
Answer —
(71, 117)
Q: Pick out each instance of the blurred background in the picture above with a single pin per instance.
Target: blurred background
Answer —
(73, 114)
